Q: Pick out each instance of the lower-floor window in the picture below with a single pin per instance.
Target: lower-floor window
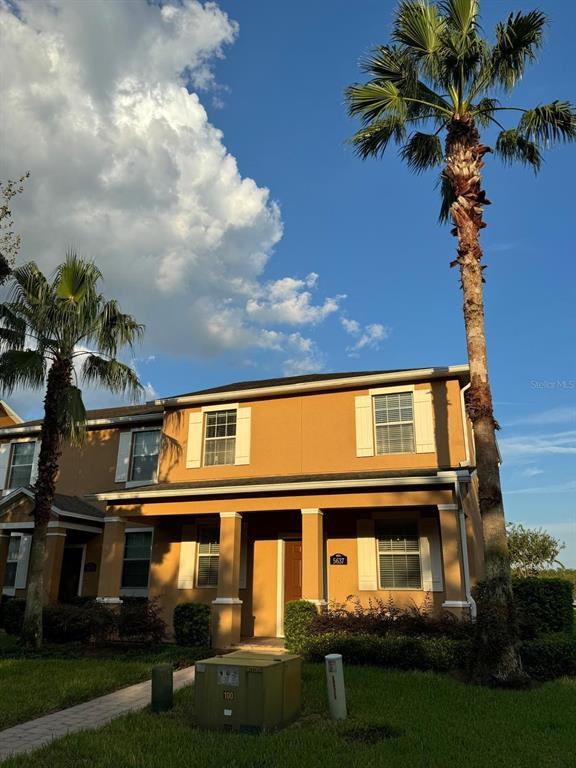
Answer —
(399, 556)
(208, 556)
(12, 561)
(137, 553)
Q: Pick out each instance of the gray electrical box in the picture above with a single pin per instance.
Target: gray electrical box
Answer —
(245, 690)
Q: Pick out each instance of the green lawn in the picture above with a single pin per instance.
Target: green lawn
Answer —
(438, 722)
(32, 685)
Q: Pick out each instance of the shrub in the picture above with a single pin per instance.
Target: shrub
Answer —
(549, 657)
(67, 623)
(426, 653)
(192, 624)
(298, 619)
(14, 615)
(139, 620)
(543, 606)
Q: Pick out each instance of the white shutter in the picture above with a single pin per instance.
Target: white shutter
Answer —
(23, 560)
(4, 461)
(34, 473)
(364, 428)
(123, 460)
(424, 421)
(243, 555)
(430, 556)
(243, 427)
(187, 567)
(194, 446)
(367, 567)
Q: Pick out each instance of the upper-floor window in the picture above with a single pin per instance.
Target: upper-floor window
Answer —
(21, 461)
(136, 566)
(144, 455)
(208, 556)
(394, 423)
(220, 437)
(12, 561)
(399, 556)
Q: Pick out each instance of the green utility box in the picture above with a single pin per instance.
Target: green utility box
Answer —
(245, 690)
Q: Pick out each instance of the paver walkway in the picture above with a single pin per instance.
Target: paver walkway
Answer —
(91, 714)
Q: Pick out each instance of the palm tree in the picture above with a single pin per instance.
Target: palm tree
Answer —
(45, 329)
(440, 78)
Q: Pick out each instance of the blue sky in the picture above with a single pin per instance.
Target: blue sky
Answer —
(271, 78)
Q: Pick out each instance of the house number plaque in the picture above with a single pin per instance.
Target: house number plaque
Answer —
(338, 559)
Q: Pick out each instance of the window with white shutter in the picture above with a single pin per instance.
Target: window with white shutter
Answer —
(12, 562)
(144, 455)
(394, 423)
(399, 556)
(220, 437)
(21, 461)
(136, 566)
(208, 556)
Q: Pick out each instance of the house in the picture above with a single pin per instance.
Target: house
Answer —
(252, 494)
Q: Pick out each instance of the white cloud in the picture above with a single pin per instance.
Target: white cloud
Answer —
(531, 472)
(559, 415)
(538, 445)
(566, 487)
(98, 102)
(367, 337)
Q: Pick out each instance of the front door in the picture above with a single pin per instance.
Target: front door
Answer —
(292, 570)
(70, 574)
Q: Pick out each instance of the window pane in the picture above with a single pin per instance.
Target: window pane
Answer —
(135, 573)
(208, 571)
(21, 464)
(10, 574)
(209, 540)
(145, 447)
(22, 453)
(220, 451)
(397, 438)
(138, 545)
(14, 547)
(399, 556)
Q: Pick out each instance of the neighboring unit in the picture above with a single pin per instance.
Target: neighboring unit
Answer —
(253, 494)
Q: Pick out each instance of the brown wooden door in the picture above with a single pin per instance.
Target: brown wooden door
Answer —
(292, 570)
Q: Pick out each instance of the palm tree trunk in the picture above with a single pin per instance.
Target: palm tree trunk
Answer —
(59, 378)
(497, 659)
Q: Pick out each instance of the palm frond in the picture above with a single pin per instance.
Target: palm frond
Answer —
(115, 376)
(372, 100)
(22, 368)
(115, 329)
(422, 151)
(373, 140)
(389, 62)
(28, 285)
(512, 146)
(75, 278)
(549, 123)
(460, 15)
(447, 197)
(517, 42)
(483, 111)
(418, 26)
(72, 415)
(12, 328)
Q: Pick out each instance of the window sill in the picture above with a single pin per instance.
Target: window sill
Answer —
(139, 483)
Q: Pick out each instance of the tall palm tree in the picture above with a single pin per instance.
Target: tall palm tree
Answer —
(439, 77)
(45, 329)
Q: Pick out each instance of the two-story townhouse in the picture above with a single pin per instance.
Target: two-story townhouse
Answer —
(75, 531)
(315, 487)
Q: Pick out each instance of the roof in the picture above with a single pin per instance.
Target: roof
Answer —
(312, 378)
(62, 504)
(10, 412)
(286, 483)
(123, 411)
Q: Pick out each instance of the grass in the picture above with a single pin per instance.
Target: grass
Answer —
(34, 684)
(397, 720)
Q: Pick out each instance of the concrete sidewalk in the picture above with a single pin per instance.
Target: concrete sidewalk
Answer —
(89, 715)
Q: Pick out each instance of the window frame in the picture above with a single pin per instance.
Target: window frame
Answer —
(381, 525)
(10, 590)
(130, 482)
(137, 591)
(199, 529)
(10, 467)
(387, 393)
(206, 412)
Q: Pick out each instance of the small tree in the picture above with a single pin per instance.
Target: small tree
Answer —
(9, 240)
(532, 550)
(45, 327)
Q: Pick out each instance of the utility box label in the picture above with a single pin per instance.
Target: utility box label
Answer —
(338, 559)
(228, 676)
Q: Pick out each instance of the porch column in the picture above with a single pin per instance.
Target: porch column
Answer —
(112, 560)
(454, 586)
(313, 556)
(56, 539)
(4, 542)
(227, 607)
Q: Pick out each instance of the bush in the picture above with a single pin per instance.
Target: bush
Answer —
(139, 620)
(192, 624)
(77, 623)
(298, 619)
(543, 606)
(14, 615)
(549, 657)
(440, 654)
